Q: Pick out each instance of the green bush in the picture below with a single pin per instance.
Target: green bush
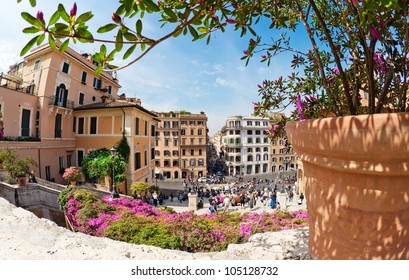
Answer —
(142, 230)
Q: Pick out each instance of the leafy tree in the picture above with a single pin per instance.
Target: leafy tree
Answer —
(140, 188)
(98, 164)
(357, 47)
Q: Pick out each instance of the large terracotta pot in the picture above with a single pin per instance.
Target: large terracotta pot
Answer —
(356, 173)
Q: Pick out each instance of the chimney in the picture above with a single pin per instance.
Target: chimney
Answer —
(138, 102)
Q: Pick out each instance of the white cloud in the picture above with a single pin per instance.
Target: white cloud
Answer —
(222, 82)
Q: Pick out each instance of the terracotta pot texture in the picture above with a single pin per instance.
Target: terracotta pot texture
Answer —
(356, 171)
(22, 181)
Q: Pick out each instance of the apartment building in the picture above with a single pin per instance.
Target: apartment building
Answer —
(246, 147)
(181, 145)
(56, 109)
(282, 157)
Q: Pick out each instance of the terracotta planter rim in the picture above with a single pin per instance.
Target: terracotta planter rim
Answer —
(363, 143)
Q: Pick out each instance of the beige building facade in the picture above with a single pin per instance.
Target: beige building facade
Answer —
(45, 101)
(181, 145)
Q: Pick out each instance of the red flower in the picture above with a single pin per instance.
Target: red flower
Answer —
(73, 11)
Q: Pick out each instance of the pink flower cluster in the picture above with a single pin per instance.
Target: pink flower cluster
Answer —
(195, 233)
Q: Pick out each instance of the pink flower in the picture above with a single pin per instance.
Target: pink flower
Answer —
(300, 107)
(231, 21)
(73, 11)
(374, 33)
(40, 16)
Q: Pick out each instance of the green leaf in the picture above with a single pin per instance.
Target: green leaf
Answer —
(193, 32)
(40, 39)
(138, 27)
(54, 18)
(107, 28)
(151, 6)
(86, 37)
(130, 37)
(29, 18)
(64, 45)
(30, 30)
(111, 56)
(29, 45)
(51, 41)
(129, 52)
(119, 41)
(33, 3)
(84, 17)
(63, 13)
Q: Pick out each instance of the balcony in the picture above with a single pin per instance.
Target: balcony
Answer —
(56, 105)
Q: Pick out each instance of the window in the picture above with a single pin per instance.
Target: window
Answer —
(183, 131)
(199, 122)
(200, 162)
(200, 131)
(57, 128)
(97, 83)
(183, 152)
(175, 142)
(166, 142)
(184, 122)
(93, 126)
(200, 152)
(48, 173)
(152, 130)
(175, 153)
(74, 126)
(61, 162)
(84, 77)
(249, 123)
(152, 153)
(166, 153)
(109, 89)
(258, 132)
(175, 133)
(258, 140)
(137, 161)
(145, 158)
(249, 132)
(192, 131)
(69, 160)
(146, 128)
(25, 122)
(136, 126)
(36, 65)
(192, 123)
(80, 125)
(81, 98)
(257, 123)
(166, 124)
(65, 68)
(249, 140)
(80, 157)
(175, 124)
(192, 152)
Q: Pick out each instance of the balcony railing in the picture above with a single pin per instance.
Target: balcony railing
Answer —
(61, 103)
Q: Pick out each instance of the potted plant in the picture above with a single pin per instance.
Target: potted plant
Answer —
(18, 168)
(72, 175)
(355, 68)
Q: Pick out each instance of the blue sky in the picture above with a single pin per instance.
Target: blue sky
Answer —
(176, 75)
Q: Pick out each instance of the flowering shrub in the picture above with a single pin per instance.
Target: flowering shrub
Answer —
(72, 174)
(134, 221)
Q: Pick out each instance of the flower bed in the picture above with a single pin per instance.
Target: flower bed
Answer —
(134, 221)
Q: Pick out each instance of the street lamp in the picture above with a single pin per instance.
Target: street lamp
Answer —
(115, 194)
